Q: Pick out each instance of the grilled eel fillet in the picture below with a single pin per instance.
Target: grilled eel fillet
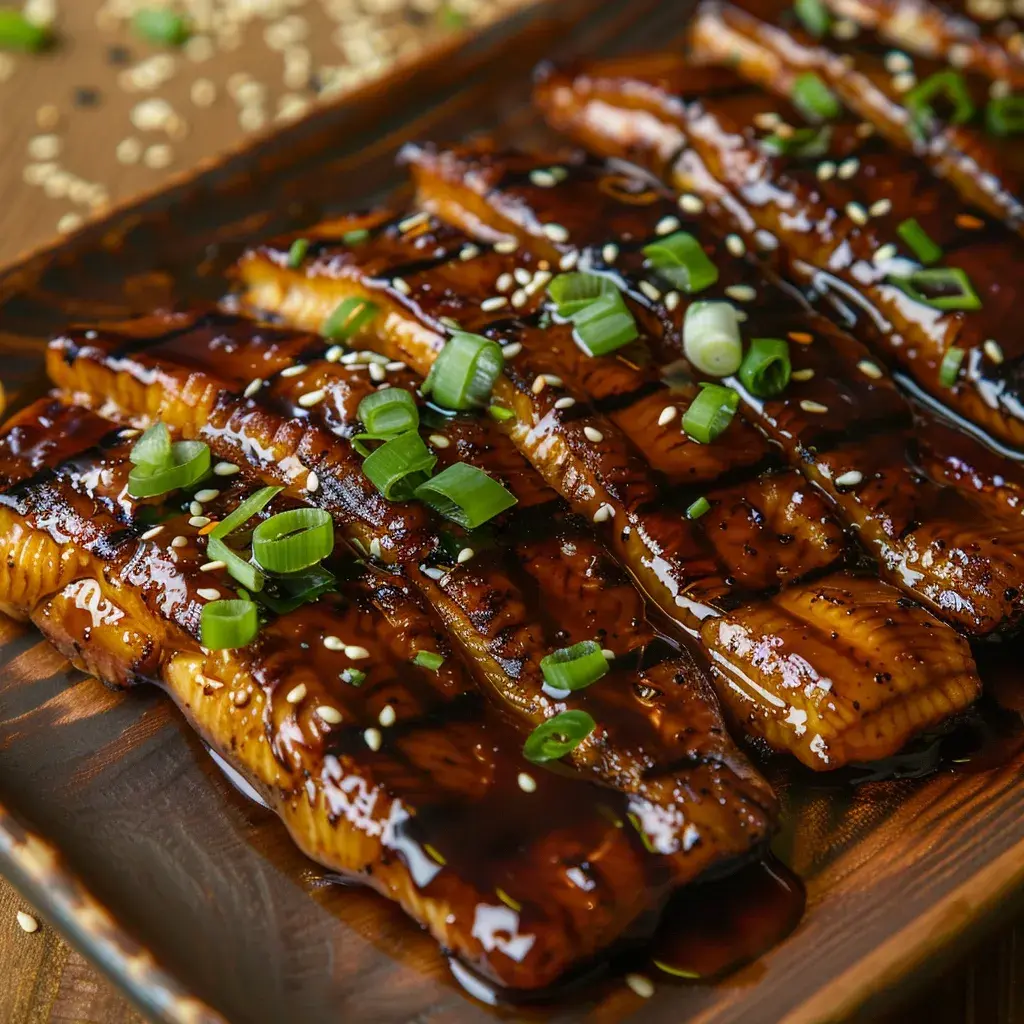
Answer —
(983, 39)
(191, 378)
(986, 169)
(848, 718)
(830, 221)
(424, 802)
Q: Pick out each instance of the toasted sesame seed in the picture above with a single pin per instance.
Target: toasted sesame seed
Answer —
(387, 716)
(334, 643)
(469, 252)
(373, 738)
(312, 482)
(543, 179)
(741, 292)
(993, 350)
(154, 532)
(207, 494)
(27, 922)
(494, 302)
(179, 541)
(310, 398)
(641, 985)
(650, 291)
(208, 593)
(691, 204)
(848, 168)
(735, 245)
(401, 285)
(439, 440)
(355, 652)
(870, 369)
(668, 414)
(527, 783)
(857, 213)
(556, 232)
(505, 282)
(465, 555)
(565, 403)
(506, 246)
(880, 207)
(199, 521)
(851, 478)
(969, 222)
(610, 252)
(252, 387)
(802, 375)
(158, 156)
(593, 434)
(69, 222)
(213, 566)
(826, 170)
(332, 716)
(603, 514)
(808, 406)
(569, 260)
(225, 469)
(296, 694)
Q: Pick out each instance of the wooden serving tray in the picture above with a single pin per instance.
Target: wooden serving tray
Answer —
(116, 823)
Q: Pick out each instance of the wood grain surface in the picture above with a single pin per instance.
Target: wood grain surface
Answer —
(42, 978)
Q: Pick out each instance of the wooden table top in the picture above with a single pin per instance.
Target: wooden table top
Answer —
(103, 116)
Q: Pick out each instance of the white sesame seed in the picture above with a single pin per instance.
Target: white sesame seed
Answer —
(870, 369)
(465, 555)
(225, 469)
(128, 432)
(857, 213)
(610, 253)
(213, 566)
(568, 261)
(401, 285)
(355, 652)
(312, 482)
(27, 922)
(895, 62)
(672, 300)
(334, 353)
(333, 643)
(159, 156)
(154, 532)
(311, 398)
(199, 521)
(668, 414)
(373, 738)
(469, 252)
(413, 222)
(439, 440)
(735, 245)
(552, 380)
(494, 302)
(608, 654)
(375, 548)
(332, 716)
(506, 246)
(505, 282)
(904, 81)
(993, 350)
(69, 222)
(394, 366)
(539, 280)
(880, 207)
(527, 783)
(179, 541)
(196, 508)
(691, 204)
(387, 716)
(808, 406)
(296, 694)
(603, 514)
(252, 387)
(207, 494)
(556, 232)
(848, 168)
(667, 225)
(884, 253)
(543, 179)
(650, 291)
(377, 373)
(768, 120)
(593, 434)
(519, 298)
(208, 593)
(565, 403)
(642, 986)
(849, 479)
(845, 29)
(826, 170)
(741, 292)
(293, 371)
(802, 375)
(522, 276)
(511, 350)
(538, 385)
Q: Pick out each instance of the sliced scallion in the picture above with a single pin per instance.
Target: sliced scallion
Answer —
(348, 319)
(18, 33)
(1004, 115)
(389, 412)
(948, 86)
(575, 667)
(225, 625)
(297, 253)
(464, 372)
(399, 466)
(500, 413)
(698, 508)
(294, 540)
(161, 25)
(682, 261)
(353, 676)
(355, 237)
(235, 520)
(604, 325)
(813, 98)
(153, 448)
(239, 568)
(921, 245)
(711, 338)
(940, 288)
(428, 660)
(283, 594)
(949, 369)
(814, 16)
(189, 462)
(465, 495)
(710, 412)
(803, 143)
(558, 736)
(766, 369)
(572, 292)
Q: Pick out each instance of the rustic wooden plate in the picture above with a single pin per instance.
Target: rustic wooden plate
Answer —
(116, 823)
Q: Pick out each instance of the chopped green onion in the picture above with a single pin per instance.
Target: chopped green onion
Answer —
(256, 502)
(710, 412)
(294, 540)
(572, 292)
(948, 85)
(805, 143)
(389, 412)
(18, 33)
(429, 660)
(500, 413)
(814, 16)
(353, 676)
(297, 253)
(921, 245)
(399, 466)
(161, 25)
(355, 237)
(283, 594)
(348, 319)
(1005, 115)
(557, 736)
(604, 325)
(711, 338)
(466, 495)
(240, 568)
(766, 368)
(814, 99)
(576, 667)
(698, 508)
(681, 260)
(950, 366)
(189, 462)
(464, 371)
(153, 448)
(225, 625)
(940, 288)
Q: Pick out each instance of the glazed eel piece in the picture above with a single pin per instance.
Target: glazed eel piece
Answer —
(536, 581)
(442, 273)
(967, 34)
(772, 49)
(408, 781)
(830, 220)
